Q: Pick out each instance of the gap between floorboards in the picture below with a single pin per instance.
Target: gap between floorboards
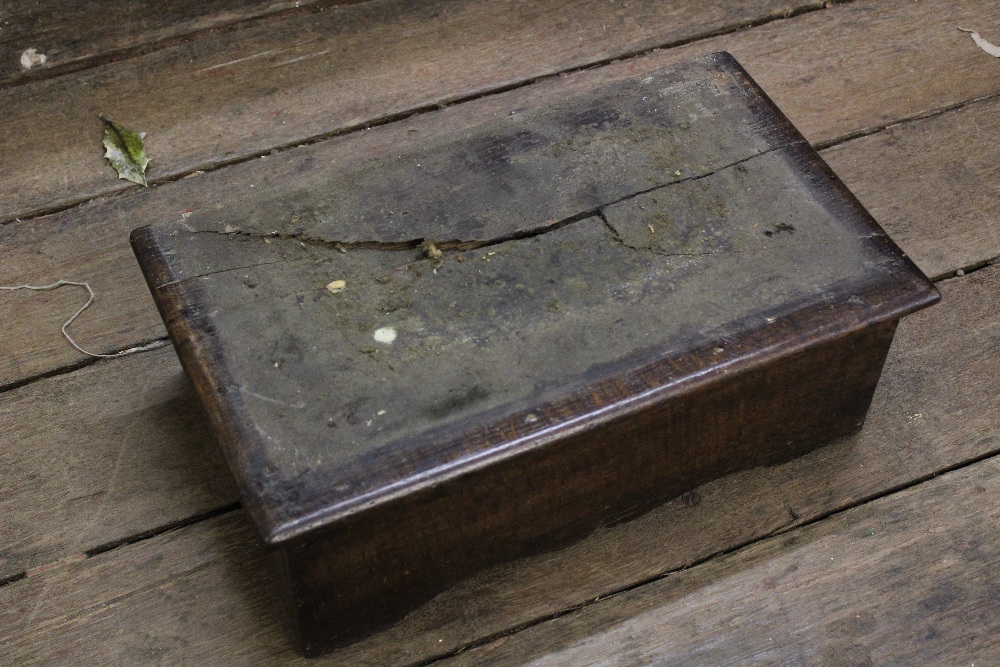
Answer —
(792, 525)
(446, 102)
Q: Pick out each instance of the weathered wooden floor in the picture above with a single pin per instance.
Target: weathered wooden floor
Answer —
(121, 541)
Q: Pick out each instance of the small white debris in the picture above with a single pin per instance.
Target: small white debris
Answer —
(991, 49)
(31, 57)
(229, 229)
(380, 413)
(530, 418)
(385, 335)
(677, 173)
(336, 286)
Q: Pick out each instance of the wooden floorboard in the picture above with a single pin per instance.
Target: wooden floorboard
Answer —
(934, 185)
(934, 410)
(912, 579)
(812, 91)
(97, 456)
(73, 35)
(239, 93)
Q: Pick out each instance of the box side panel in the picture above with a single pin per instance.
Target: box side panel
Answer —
(369, 571)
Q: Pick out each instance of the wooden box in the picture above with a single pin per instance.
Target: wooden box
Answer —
(482, 345)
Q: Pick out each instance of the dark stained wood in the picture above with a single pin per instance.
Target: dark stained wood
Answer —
(239, 93)
(108, 452)
(62, 245)
(652, 272)
(147, 603)
(911, 579)
(73, 35)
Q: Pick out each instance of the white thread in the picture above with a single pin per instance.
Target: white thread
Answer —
(59, 283)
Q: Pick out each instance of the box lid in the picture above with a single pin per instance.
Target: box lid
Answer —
(455, 298)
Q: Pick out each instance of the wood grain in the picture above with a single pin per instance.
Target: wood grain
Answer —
(934, 409)
(63, 245)
(107, 452)
(935, 184)
(239, 93)
(911, 579)
(77, 34)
